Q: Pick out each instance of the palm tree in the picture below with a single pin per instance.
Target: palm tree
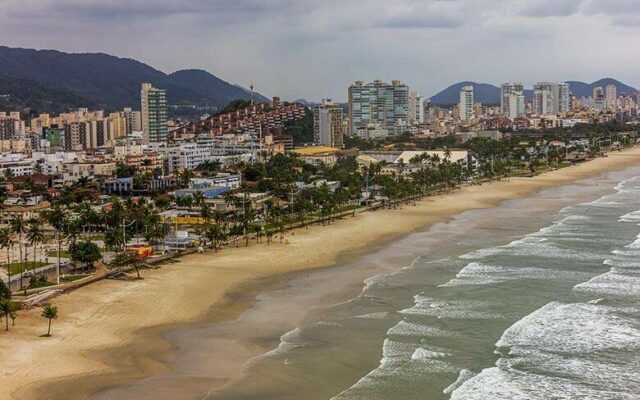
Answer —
(34, 235)
(6, 242)
(49, 312)
(18, 227)
(215, 235)
(57, 218)
(205, 211)
(198, 198)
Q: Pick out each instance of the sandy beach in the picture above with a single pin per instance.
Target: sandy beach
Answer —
(110, 332)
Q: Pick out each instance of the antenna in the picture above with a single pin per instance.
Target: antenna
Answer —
(251, 87)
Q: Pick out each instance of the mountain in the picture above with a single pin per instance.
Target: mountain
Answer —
(306, 103)
(16, 93)
(100, 80)
(490, 94)
(256, 96)
(482, 92)
(210, 86)
(582, 89)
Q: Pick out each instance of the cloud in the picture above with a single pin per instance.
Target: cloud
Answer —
(429, 14)
(622, 12)
(548, 8)
(314, 49)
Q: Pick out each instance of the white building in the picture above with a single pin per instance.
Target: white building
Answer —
(512, 100)
(187, 156)
(416, 108)
(327, 124)
(611, 97)
(551, 98)
(465, 106)
(17, 163)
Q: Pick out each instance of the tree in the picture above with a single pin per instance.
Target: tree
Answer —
(113, 238)
(5, 293)
(49, 312)
(7, 242)
(86, 253)
(125, 171)
(35, 235)
(5, 310)
(18, 227)
(216, 235)
(156, 233)
(131, 258)
(205, 211)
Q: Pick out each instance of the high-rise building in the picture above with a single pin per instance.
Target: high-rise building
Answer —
(465, 106)
(611, 97)
(327, 124)
(512, 100)
(599, 99)
(515, 103)
(75, 135)
(154, 114)
(11, 126)
(551, 98)
(378, 103)
(134, 120)
(416, 108)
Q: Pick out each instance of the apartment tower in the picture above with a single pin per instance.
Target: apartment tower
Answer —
(153, 114)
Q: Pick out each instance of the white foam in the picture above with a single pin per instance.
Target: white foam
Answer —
(464, 376)
(376, 315)
(529, 246)
(575, 328)
(562, 351)
(633, 216)
(422, 354)
(613, 283)
(482, 274)
(494, 383)
(288, 341)
(404, 328)
(452, 309)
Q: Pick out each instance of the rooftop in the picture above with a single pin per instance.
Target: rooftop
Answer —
(315, 150)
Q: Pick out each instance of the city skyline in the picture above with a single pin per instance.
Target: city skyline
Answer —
(284, 43)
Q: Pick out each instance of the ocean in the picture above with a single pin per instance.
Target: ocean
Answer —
(537, 298)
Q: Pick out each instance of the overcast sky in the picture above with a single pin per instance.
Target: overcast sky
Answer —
(315, 49)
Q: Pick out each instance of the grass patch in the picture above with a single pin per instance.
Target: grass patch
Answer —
(29, 265)
(63, 254)
(71, 278)
(38, 281)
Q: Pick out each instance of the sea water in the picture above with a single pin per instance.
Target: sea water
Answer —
(534, 299)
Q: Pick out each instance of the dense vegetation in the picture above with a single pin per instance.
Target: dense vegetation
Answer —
(301, 130)
(51, 81)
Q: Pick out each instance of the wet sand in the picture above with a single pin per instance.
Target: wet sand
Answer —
(111, 332)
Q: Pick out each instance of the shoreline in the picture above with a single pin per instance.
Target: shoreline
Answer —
(112, 332)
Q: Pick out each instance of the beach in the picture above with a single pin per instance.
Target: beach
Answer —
(111, 332)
